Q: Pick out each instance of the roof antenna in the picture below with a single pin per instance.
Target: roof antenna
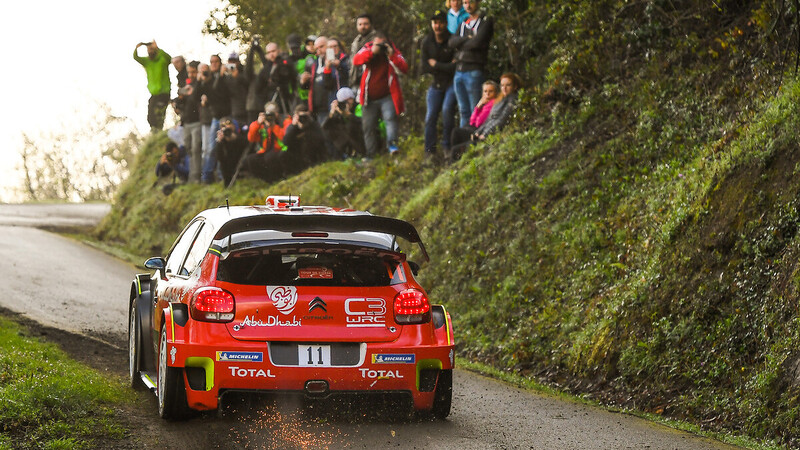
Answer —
(227, 205)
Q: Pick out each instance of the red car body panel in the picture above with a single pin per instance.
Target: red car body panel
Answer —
(282, 337)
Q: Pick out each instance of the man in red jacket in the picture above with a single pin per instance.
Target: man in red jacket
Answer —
(380, 90)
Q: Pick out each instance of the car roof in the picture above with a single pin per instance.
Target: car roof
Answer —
(238, 219)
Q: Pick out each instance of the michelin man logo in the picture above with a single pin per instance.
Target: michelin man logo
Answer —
(283, 297)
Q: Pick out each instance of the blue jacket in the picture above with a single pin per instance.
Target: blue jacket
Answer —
(454, 19)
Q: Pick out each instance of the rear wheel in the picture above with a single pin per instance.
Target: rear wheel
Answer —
(134, 349)
(171, 388)
(443, 398)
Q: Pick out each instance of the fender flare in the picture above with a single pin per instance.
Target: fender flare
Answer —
(442, 324)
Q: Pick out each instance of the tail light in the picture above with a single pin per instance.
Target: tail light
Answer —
(213, 305)
(411, 307)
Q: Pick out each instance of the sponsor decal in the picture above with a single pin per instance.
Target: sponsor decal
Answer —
(365, 312)
(379, 374)
(272, 321)
(338, 250)
(325, 317)
(253, 373)
(317, 303)
(381, 358)
(283, 297)
(452, 357)
(240, 356)
(316, 273)
(172, 354)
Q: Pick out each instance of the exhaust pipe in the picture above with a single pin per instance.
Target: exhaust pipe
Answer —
(316, 387)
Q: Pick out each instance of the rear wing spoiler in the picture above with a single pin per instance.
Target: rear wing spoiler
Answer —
(307, 223)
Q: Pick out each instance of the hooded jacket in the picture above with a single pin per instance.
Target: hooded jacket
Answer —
(472, 43)
(396, 63)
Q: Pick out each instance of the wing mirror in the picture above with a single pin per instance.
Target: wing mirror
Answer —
(158, 264)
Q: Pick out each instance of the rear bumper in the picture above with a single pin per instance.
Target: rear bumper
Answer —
(247, 366)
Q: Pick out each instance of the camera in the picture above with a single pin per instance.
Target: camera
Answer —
(231, 67)
(282, 73)
(227, 132)
(304, 118)
(383, 47)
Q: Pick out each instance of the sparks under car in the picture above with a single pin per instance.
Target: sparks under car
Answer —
(288, 299)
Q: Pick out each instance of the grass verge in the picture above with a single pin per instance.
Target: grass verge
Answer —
(47, 400)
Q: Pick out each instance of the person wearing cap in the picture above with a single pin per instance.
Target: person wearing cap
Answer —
(156, 65)
(455, 15)
(380, 93)
(437, 60)
(343, 125)
(471, 44)
(366, 33)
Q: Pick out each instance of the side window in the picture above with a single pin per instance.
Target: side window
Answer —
(178, 254)
(199, 249)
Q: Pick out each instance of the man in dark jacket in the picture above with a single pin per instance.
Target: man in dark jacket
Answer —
(188, 103)
(437, 60)
(179, 63)
(472, 53)
(256, 97)
(237, 85)
(320, 80)
(366, 33)
(231, 144)
(215, 95)
(304, 142)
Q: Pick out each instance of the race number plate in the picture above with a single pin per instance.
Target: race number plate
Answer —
(314, 355)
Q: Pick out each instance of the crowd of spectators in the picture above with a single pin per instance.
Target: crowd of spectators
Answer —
(279, 112)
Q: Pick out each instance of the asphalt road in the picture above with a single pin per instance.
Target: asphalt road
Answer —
(64, 284)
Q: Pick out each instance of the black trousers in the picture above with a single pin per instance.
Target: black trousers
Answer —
(157, 110)
(460, 140)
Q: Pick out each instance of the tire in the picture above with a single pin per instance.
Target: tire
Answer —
(443, 399)
(171, 388)
(134, 349)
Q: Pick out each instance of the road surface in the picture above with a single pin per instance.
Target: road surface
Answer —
(61, 283)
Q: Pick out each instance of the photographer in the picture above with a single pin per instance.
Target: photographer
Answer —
(268, 133)
(304, 141)
(380, 91)
(175, 159)
(282, 81)
(320, 80)
(256, 97)
(236, 84)
(156, 65)
(231, 144)
(343, 127)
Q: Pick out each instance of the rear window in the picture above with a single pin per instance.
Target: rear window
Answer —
(312, 266)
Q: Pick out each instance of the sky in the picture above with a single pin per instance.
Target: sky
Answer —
(63, 58)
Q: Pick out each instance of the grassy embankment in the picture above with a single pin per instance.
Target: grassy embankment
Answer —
(49, 401)
(633, 238)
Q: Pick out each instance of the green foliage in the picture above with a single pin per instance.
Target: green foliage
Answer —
(632, 236)
(50, 401)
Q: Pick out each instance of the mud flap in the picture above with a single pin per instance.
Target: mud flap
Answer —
(144, 308)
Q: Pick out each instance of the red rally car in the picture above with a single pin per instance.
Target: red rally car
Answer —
(288, 298)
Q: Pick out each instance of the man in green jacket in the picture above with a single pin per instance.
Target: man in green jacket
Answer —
(156, 64)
